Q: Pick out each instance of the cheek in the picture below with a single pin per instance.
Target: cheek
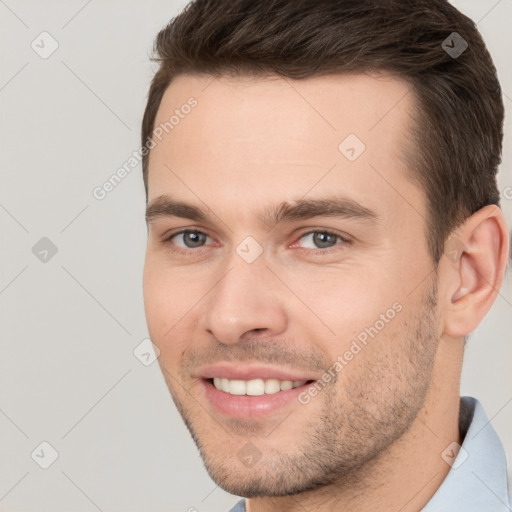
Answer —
(343, 302)
(169, 300)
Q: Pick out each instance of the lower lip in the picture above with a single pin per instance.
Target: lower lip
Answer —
(250, 407)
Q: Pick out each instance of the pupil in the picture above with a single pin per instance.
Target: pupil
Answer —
(323, 240)
(193, 239)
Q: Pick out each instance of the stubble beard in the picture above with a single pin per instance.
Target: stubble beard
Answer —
(353, 429)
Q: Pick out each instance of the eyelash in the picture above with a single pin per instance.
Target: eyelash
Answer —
(343, 241)
(328, 250)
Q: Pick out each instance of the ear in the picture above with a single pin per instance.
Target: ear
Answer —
(477, 255)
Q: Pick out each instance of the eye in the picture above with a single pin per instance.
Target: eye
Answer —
(320, 240)
(189, 239)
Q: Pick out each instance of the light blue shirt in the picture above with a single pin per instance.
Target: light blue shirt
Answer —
(477, 480)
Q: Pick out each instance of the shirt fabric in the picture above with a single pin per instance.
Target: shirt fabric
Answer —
(477, 480)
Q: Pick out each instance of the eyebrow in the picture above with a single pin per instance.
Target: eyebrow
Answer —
(300, 209)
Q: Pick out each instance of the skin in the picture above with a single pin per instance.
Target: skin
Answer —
(252, 144)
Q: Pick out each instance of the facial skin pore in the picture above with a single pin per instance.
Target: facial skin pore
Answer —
(372, 438)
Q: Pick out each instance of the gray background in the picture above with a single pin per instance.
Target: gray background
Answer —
(68, 375)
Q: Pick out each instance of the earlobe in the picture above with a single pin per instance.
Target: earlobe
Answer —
(479, 270)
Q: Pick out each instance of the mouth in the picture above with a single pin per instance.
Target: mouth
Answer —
(252, 399)
(255, 387)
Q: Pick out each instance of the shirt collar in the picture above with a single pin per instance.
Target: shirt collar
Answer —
(477, 480)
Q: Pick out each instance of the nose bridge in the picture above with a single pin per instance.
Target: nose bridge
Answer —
(244, 299)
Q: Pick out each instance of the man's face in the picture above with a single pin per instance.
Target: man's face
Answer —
(311, 250)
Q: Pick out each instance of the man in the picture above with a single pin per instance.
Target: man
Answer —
(324, 232)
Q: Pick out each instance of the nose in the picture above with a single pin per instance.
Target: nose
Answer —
(245, 303)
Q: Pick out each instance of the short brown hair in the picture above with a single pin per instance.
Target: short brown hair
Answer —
(458, 109)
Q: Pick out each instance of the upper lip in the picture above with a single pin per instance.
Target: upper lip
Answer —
(228, 371)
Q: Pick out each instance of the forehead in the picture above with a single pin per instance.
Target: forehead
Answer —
(254, 139)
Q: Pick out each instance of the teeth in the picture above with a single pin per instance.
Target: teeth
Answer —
(255, 387)
(237, 387)
(272, 386)
(286, 384)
